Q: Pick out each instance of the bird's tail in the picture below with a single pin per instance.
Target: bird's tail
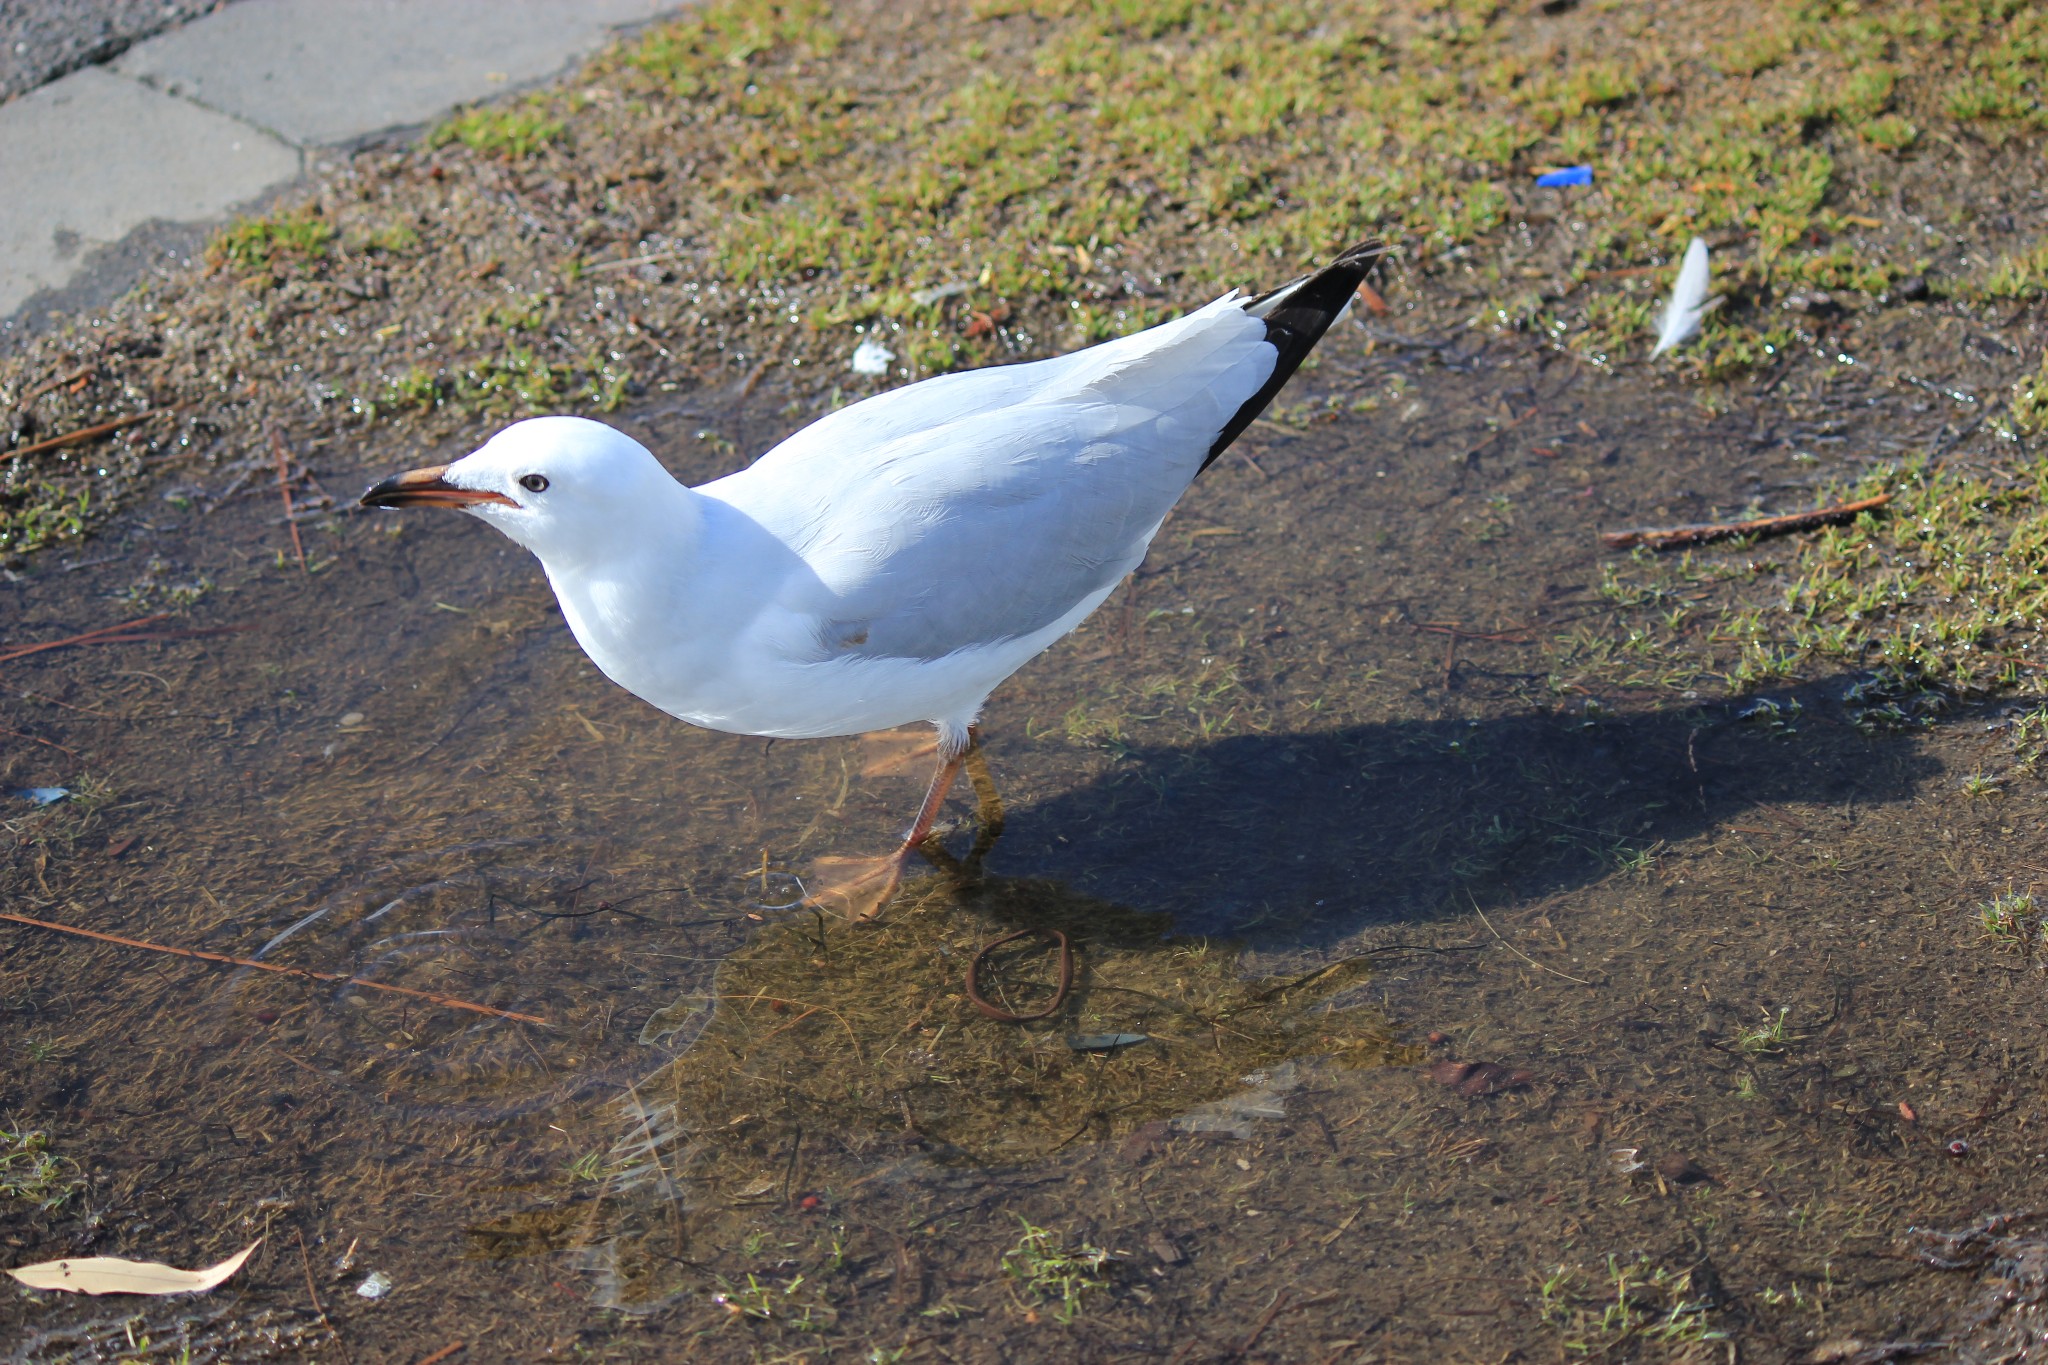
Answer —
(1296, 316)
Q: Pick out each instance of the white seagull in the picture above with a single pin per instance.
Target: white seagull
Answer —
(898, 559)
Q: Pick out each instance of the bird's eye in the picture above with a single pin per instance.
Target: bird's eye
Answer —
(534, 483)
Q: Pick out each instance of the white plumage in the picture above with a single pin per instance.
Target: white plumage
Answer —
(1688, 300)
(896, 560)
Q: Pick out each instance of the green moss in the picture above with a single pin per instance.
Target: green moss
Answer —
(1942, 588)
(2022, 275)
(1281, 132)
(514, 132)
(1889, 132)
(416, 388)
(40, 513)
(29, 1172)
(301, 234)
(2029, 405)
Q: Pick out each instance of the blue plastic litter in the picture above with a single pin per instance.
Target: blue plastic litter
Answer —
(1569, 176)
(43, 796)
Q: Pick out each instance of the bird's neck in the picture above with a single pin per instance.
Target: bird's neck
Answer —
(620, 590)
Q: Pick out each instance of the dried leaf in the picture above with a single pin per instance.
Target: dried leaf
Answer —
(119, 1275)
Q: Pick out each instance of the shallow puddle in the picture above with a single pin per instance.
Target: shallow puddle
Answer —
(1419, 1009)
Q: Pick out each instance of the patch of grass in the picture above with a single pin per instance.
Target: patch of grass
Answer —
(41, 513)
(418, 387)
(785, 1303)
(513, 131)
(29, 1172)
(1041, 169)
(2012, 922)
(1889, 132)
(1939, 591)
(2029, 404)
(1633, 1301)
(299, 234)
(1049, 1272)
(390, 238)
(2022, 275)
(523, 380)
(1766, 1039)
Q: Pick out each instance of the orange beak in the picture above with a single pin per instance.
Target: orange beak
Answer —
(427, 488)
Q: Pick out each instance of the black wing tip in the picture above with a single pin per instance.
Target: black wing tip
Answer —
(1363, 255)
(1296, 316)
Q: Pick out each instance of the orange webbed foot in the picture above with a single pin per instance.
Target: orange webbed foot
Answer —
(855, 888)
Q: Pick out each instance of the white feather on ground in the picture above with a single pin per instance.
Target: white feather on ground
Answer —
(1688, 300)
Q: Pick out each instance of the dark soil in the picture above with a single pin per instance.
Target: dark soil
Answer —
(1496, 1002)
(1348, 742)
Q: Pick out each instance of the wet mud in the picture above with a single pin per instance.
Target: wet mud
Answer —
(1427, 1005)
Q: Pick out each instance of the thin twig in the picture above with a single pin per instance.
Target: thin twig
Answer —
(343, 977)
(127, 633)
(1513, 636)
(1677, 537)
(85, 372)
(35, 739)
(306, 1264)
(284, 486)
(1517, 951)
(1273, 1310)
(90, 637)
(437, 1357)
(83, 434)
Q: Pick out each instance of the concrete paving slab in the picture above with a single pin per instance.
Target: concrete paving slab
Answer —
(89, 158)
(330, 72)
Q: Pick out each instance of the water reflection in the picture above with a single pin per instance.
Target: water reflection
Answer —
(843, 1054)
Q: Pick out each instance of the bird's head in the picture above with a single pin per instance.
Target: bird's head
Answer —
(563, 487)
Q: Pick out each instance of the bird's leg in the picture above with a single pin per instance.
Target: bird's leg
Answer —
(859, 887)
(935, 796)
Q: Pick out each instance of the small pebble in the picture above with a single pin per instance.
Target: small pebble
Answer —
(353, 718)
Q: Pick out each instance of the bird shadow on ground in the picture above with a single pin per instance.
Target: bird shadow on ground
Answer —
(1302, 841)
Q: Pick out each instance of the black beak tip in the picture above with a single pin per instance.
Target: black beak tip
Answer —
(378, 493)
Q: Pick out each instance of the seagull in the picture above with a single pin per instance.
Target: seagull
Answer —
(896, 560)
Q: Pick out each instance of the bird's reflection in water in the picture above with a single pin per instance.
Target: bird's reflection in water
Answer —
(846, 1061)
